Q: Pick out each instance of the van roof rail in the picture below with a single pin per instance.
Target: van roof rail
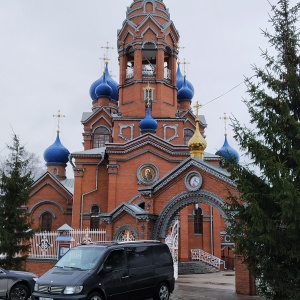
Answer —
(137, 241)
(123, 242)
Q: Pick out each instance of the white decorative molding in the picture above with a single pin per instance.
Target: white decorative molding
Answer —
(175, 135)
(131, 126)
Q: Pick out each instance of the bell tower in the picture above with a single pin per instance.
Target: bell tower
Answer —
(147, 48)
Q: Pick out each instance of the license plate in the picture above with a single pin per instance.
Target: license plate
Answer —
(42, 298)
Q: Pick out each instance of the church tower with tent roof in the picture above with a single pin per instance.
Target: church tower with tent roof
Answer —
(143, 169)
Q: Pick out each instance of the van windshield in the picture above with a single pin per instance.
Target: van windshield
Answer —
(81, 258)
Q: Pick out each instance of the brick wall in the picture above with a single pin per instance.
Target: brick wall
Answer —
(244, 280)
(39, 267)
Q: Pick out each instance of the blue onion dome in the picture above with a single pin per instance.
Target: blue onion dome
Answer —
(180, 80)
(227, 152)
(56, 154)
(93, 87)
(185, 93)
(103, 89)
(113, 84)
(148, 124)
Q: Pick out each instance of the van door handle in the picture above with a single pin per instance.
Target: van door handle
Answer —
(124, 277)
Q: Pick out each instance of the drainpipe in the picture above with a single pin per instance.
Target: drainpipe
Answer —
(211, 231)
(96, 185)
(96, 188)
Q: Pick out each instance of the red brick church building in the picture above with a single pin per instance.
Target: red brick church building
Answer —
(143, 164)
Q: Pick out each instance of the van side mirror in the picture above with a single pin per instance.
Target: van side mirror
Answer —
(107, 269)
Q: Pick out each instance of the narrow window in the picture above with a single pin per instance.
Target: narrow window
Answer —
(188, 133)
(94, 221)
(46, 222)
(198, 221)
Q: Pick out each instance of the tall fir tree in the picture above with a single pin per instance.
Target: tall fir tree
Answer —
(15, 185)
(265, 222)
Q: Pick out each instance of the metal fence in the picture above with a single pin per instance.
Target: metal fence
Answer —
(44, 245)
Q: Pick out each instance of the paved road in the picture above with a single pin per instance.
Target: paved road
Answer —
(215, 286)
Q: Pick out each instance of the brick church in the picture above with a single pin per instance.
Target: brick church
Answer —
(143, 165)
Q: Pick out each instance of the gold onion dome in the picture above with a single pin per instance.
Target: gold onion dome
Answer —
(197, 144)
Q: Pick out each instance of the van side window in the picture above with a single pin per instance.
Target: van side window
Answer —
(161, 256)
(115, 259)
(139, 257)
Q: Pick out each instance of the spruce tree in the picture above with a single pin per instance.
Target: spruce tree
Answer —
(15, 185)
(265, 218)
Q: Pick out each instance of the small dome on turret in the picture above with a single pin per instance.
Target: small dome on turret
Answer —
(185, 93)
(197, 144)
(148, 124)
(180, 81)
(56, 154)
(110, 82)
(227, 152)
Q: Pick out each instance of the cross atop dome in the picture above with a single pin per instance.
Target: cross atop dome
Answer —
(225, 118)
(58, 116)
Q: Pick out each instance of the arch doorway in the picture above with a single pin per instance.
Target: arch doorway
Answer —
(202, 220)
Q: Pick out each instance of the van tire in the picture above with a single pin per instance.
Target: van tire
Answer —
(95, 296)
(163, 292)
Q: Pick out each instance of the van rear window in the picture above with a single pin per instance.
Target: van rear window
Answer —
(162, 256)
(139, 257)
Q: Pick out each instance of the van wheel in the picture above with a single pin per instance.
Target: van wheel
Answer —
(163, 292)
(19, 292)
(95, 296)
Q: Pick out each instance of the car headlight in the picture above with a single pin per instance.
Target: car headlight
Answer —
(73, 289)
(36, 287)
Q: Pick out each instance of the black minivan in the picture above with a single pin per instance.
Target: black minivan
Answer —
(114, 271)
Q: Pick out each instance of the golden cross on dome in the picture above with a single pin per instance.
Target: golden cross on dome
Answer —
(225, 118)
(58, 116)
(105, 59)
(178, 47)
(184, 64)
(148, 89)
(107, 48)
(197, 106)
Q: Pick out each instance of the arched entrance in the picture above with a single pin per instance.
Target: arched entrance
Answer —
(194, 245)
(179, 202)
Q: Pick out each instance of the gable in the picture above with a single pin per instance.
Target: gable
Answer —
(181, 172)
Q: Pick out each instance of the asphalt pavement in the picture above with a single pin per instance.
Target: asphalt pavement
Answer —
(213, 286)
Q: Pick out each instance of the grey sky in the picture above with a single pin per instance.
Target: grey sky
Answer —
(50, 50)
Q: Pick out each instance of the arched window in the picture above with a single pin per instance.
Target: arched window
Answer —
(167, 63)
(149, 60)
(198, 220)
(188, 133)
(46, 224)
(130, 62)
(94, 221)
(101, 136)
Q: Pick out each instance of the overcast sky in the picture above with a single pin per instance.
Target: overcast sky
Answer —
(50, 55)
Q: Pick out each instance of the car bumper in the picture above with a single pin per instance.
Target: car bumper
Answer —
(38, 296)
